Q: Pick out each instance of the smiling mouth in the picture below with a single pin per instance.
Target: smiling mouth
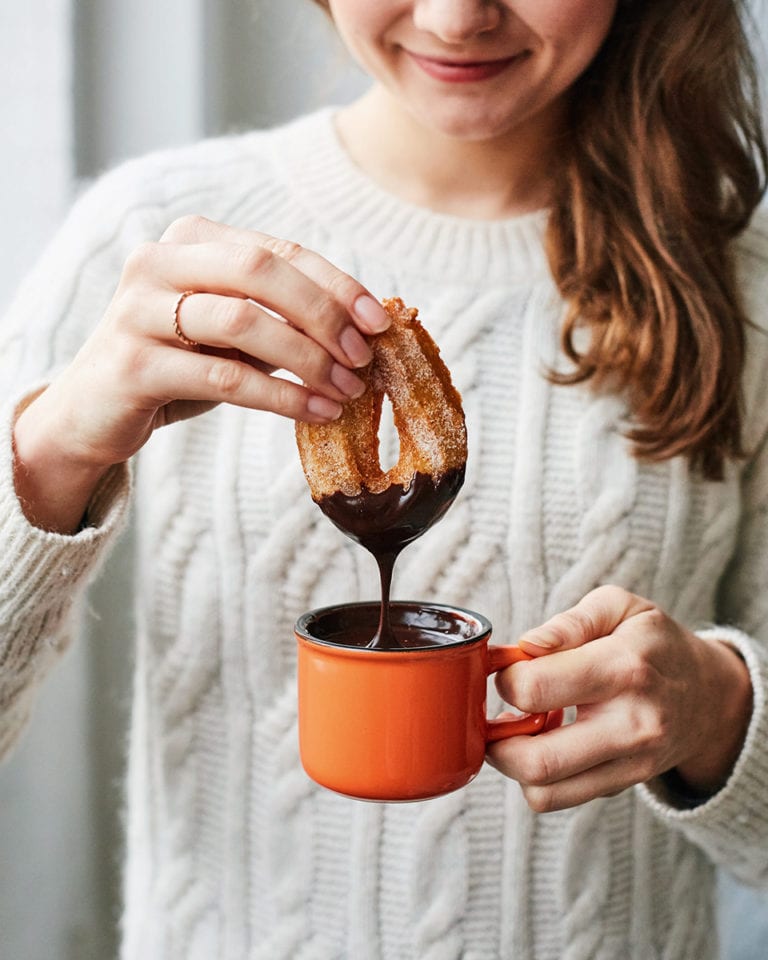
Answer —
(458, 71)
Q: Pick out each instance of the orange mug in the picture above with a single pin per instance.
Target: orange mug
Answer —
(402, 724)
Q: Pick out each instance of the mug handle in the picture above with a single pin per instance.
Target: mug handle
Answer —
(531, 723)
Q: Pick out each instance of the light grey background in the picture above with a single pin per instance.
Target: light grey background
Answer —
(94, 81)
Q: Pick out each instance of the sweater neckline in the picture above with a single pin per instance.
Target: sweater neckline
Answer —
(309, 153)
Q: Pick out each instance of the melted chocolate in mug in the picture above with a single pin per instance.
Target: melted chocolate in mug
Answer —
(416, 627)
(384, 523)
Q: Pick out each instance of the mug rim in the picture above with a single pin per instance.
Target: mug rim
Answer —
(483, 623)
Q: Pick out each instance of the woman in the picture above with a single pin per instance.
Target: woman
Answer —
(559, 187)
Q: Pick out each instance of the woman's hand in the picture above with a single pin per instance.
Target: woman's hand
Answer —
(260, 304)
(650, 696)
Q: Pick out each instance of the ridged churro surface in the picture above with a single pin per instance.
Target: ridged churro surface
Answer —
(343, 456)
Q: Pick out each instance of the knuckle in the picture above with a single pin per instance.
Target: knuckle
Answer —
(234, 318)
(539, 799)
(324, 315)
(655, 731)
(577, 622)
(127, 306)
(140, 260)
(186, 228)
(285, 249)
(286, 398)
(539, 768)
(311, 361)
(610, 595)
(226, 377)
(636, 672)
(342, 287)
(131, 359)
(650, 728)
(253, 258)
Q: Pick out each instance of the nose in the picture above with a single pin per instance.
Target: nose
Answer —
(455, 21)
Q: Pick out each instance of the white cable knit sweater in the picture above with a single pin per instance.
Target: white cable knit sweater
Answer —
(232, 852)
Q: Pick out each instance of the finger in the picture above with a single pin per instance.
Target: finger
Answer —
(594, 673)
(256, 273)
(226, 322)
(607, 780)
(562, 753)
(183, 375)
(368, 313)
(598, 614)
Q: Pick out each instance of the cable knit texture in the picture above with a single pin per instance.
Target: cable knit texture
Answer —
(232, 852)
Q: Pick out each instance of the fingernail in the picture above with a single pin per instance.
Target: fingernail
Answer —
(324, 408)
(355, 347)
(349, 384)
(371, 314)
(546, 640)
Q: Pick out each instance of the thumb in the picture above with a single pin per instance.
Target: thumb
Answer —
(596, 615)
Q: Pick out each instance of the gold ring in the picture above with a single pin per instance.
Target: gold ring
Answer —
(176, 327)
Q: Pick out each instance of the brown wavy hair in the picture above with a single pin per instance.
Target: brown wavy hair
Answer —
(664, 163)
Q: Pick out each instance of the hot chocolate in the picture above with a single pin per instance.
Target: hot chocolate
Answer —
(384, 523)
(415, 625)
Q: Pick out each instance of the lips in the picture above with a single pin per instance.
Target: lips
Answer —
(458, 71)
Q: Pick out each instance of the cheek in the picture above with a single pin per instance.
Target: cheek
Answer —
(362, 27)
(569, 31)
(363, 20)
(566, 15)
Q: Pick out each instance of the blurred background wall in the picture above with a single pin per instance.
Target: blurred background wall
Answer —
(85, 84)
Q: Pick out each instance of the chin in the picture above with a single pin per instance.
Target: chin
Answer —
(470, 129)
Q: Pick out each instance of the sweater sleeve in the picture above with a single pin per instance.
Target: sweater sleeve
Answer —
(43, 576)
(732, 825)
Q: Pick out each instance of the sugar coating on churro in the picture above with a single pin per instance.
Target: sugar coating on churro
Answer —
(343, 456)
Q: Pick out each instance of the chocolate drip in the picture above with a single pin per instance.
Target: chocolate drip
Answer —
(384, 523)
